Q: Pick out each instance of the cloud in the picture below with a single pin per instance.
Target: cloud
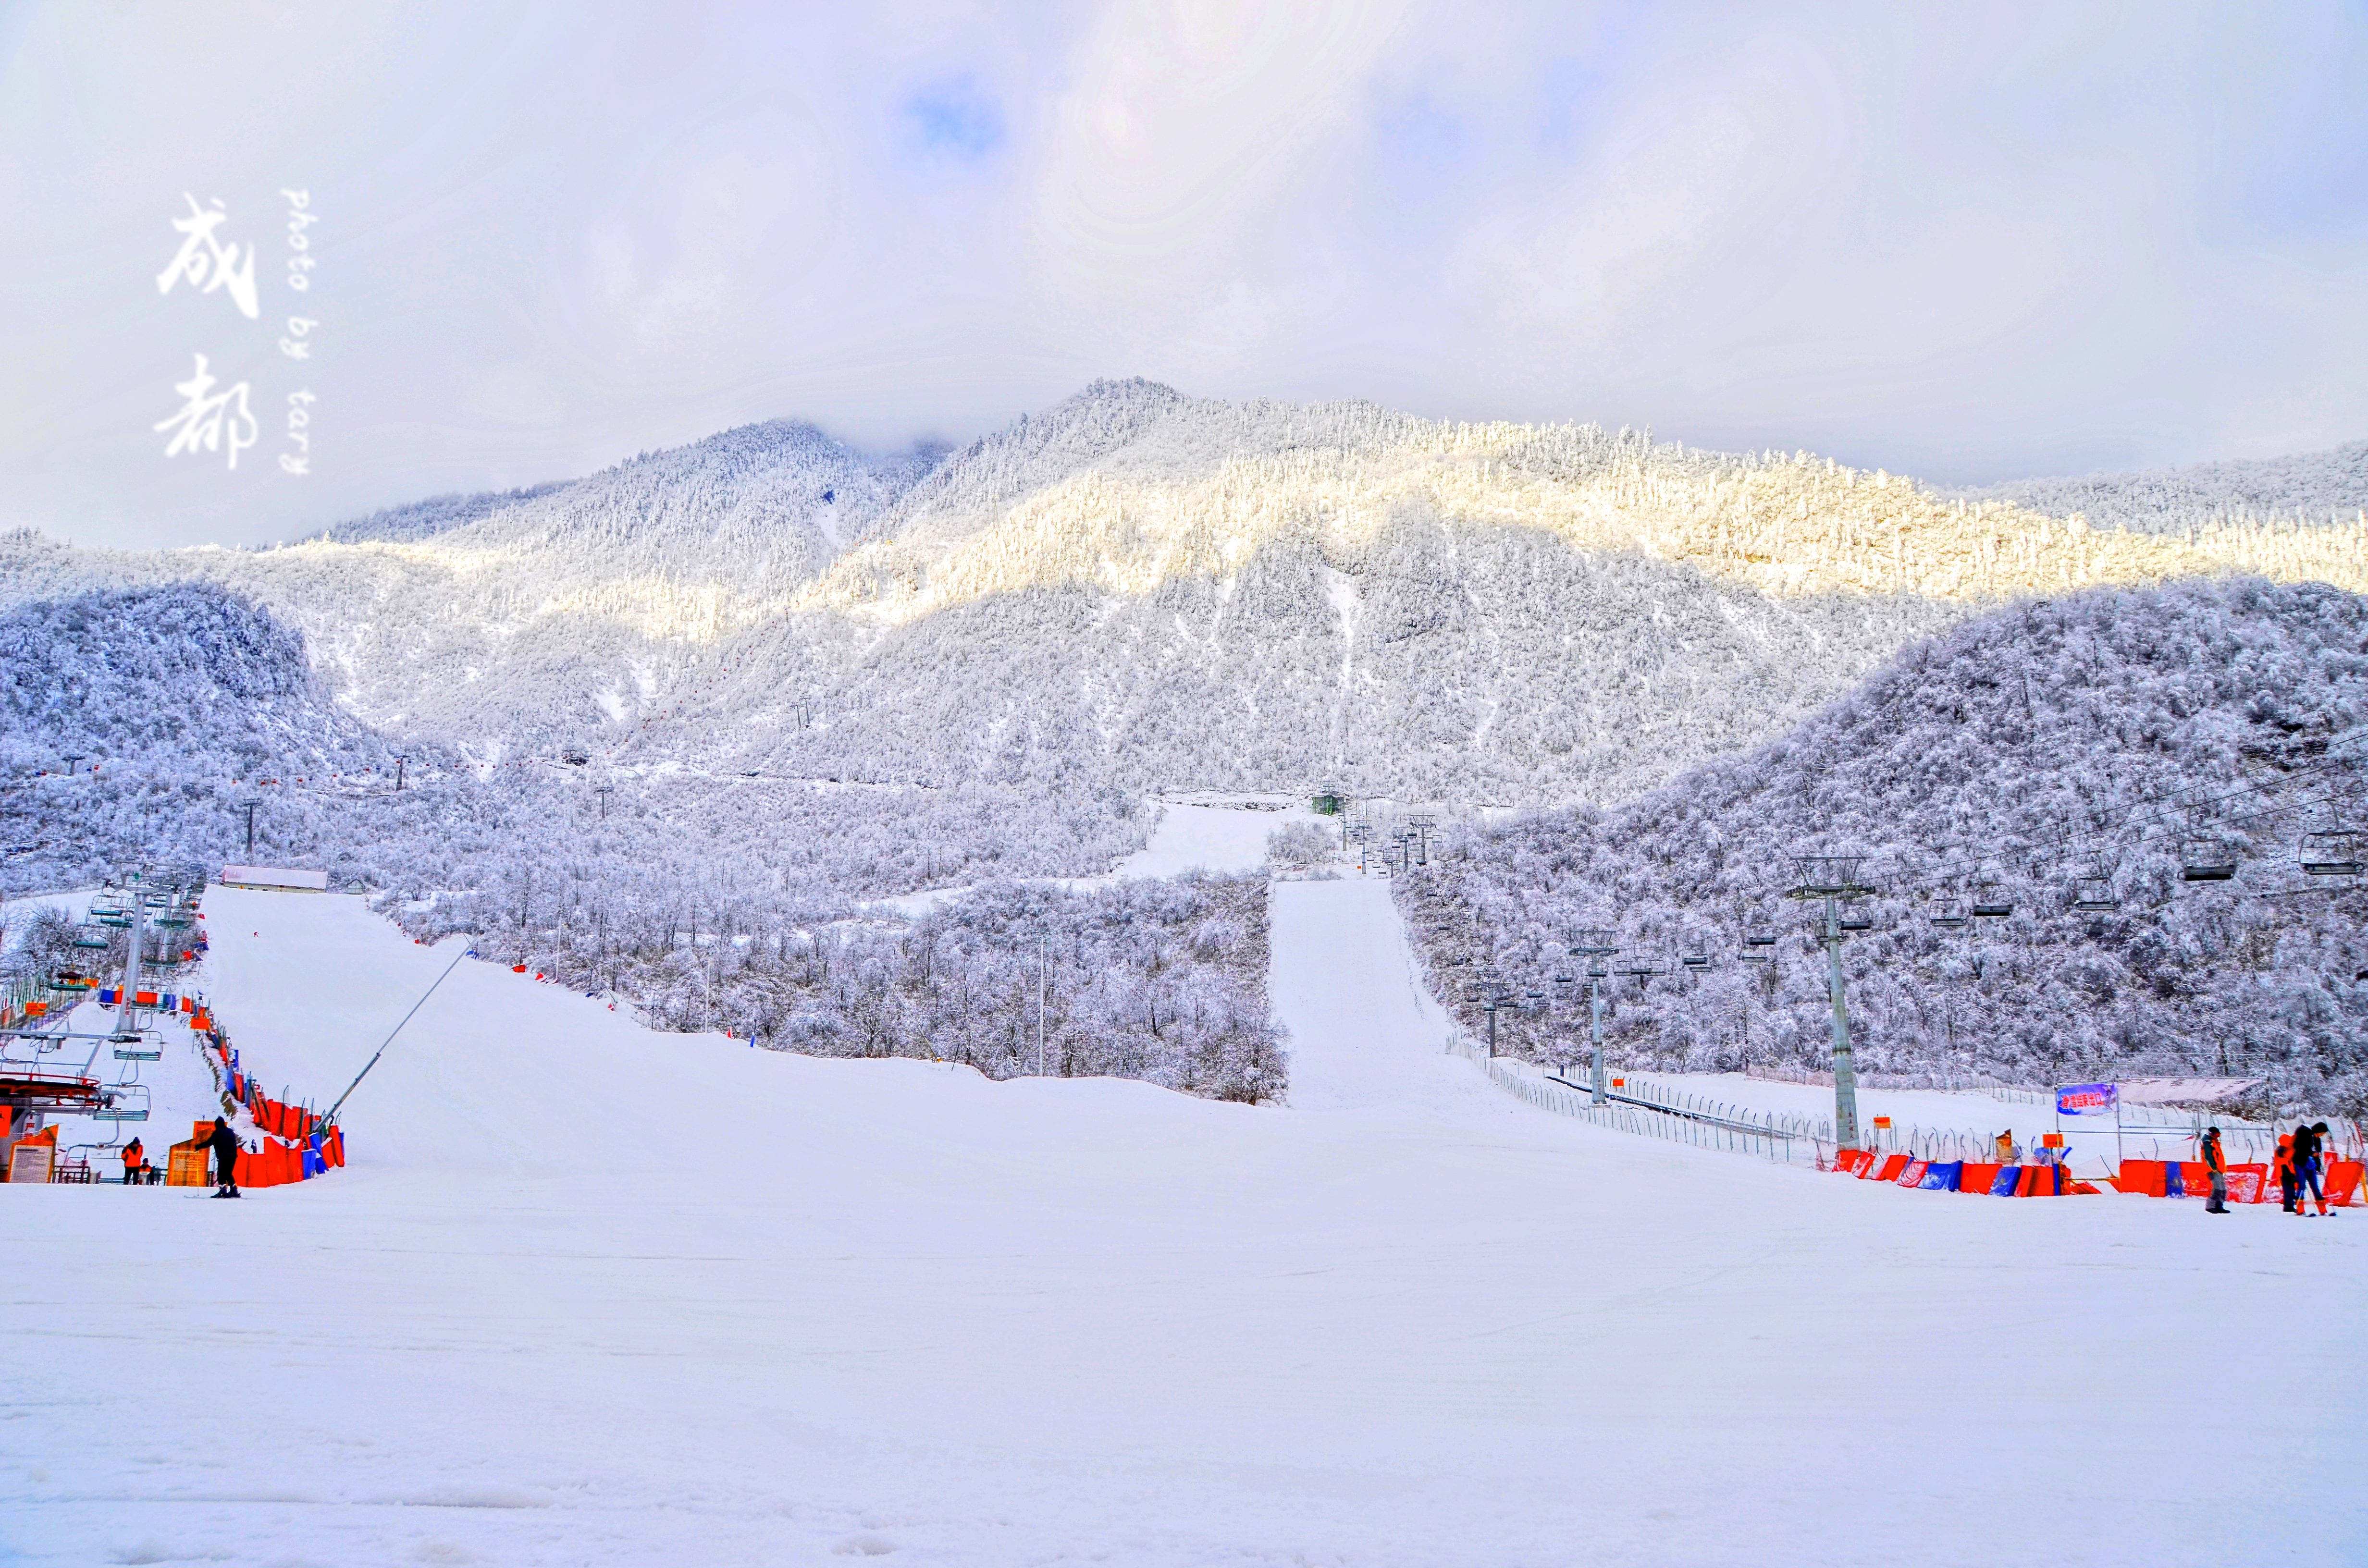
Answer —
(1968, 244)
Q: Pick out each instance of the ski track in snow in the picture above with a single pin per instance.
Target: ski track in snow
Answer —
(1186, 838)
(589, 1295)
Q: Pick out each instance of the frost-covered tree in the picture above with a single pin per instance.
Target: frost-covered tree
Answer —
(2090, 748)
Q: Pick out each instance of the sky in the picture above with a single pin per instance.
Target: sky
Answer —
(528, 240)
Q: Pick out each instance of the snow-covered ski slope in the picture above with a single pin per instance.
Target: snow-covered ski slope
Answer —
(589, 1295)
(1187, 837)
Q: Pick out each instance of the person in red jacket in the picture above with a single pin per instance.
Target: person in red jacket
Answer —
(2217, 1170)
(2282, 1167)
(135, 1161)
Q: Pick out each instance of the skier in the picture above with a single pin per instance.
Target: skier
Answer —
(2305, 1168)
(2282, 1168)
(133, 1163)
(2218, 1202)
(226, 1150)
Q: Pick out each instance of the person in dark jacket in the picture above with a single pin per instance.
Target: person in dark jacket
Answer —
(2308, 1171)
(2217, 1170)
(225, 1145)
(2305, 1169)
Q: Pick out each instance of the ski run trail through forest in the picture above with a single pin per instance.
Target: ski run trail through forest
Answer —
(592, 1295)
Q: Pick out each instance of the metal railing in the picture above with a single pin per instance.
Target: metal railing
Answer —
(1737, 1134)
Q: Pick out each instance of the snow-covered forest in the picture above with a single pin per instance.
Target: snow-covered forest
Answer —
(2085, 750)
(701, 709)
(2317, 489)
(1160, 980)
(1334, 593)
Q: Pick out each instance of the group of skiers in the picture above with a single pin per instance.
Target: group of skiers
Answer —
(2300, 1158)
(224, 1146)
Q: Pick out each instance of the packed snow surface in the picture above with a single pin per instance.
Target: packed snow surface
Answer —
(1187, 837)
(590, 1295)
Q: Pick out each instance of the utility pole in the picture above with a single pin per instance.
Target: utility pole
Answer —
(1595, 944)
(604, 791)
(1039, 1003)
(250, 829)
(398, 770)
(70, 763)
(1833, 880)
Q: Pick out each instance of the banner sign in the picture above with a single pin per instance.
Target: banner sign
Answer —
(2087, 1099)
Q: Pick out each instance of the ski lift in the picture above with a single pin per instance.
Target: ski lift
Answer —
(90, 935)
(2095, 893)
(2204, 860)
(1855, 923)
(122, 1102)
(2332, 854)
(1992, 903)
(138, 1047)
(1696, 959)
(1951, 914)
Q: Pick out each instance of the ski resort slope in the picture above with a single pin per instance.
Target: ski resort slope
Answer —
(589, 1295)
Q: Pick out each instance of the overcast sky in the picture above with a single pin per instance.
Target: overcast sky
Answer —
(1959, 241)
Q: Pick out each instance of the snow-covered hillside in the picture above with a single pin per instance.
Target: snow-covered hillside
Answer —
(1141, 588)
(133, 724)
(592, 1296)
(2314, 488)
(2089, 749)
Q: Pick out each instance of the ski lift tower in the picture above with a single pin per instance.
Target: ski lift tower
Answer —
(126, 1017)
(1596, 944)
(1833, 880)
(1494, 994)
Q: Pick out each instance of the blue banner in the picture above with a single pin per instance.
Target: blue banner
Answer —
(2088, 1099)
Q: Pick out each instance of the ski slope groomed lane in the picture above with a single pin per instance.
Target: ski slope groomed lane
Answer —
(589, 1295)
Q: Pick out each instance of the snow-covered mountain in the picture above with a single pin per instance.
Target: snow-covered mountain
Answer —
(2311, 488)
(134, 723)
(2087, 749)
(1140, 588)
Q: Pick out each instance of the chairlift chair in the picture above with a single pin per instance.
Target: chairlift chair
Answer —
(2095, 893)
(2206, 860)
(138, 1047)
(2330, 854)
(122, 1102)
(1992, 903)
(91, 936)
(1951, 914)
